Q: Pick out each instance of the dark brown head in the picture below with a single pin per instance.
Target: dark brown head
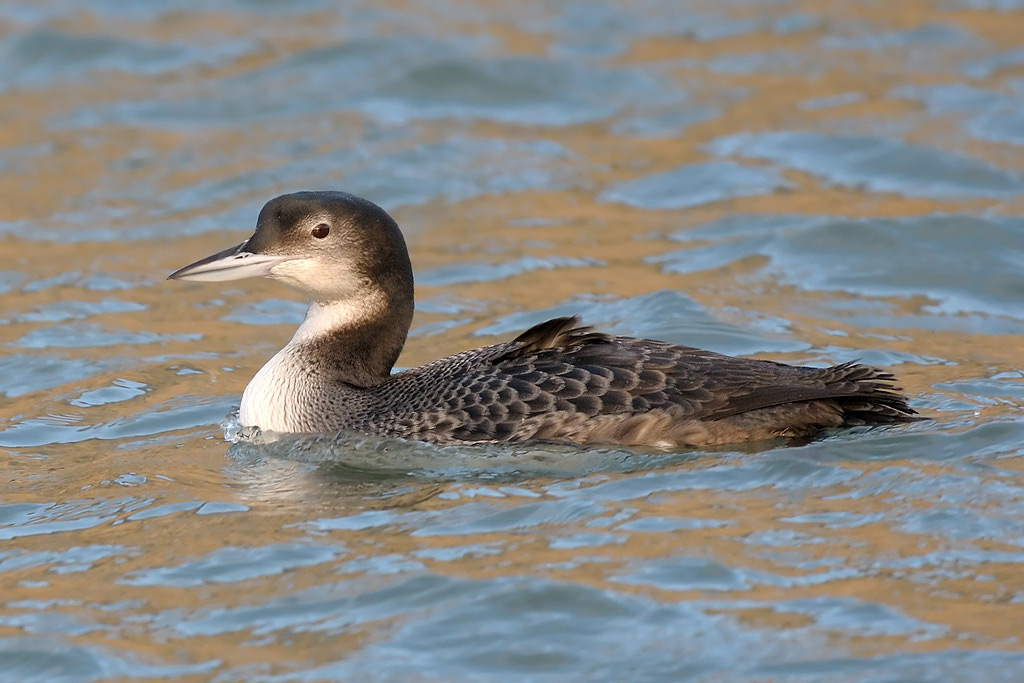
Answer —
(339, 250)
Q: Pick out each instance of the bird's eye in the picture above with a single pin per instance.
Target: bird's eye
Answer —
(321, 231)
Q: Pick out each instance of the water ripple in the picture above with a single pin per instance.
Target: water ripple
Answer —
(875, 164)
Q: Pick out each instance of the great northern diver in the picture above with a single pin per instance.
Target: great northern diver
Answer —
(557, 381)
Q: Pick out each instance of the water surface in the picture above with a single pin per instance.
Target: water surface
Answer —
(806, 182)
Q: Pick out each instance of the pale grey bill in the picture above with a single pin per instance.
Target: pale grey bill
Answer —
(230, 264)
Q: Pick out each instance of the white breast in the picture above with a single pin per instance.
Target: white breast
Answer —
(273, 397)
(280, 398)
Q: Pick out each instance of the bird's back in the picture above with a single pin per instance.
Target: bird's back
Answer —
(561, 382)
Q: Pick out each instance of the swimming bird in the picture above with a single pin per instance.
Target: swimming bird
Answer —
(557, 381)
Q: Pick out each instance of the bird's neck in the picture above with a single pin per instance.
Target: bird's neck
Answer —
(353, 343)
(338, 347)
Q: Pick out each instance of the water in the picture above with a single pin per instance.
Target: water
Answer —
(805, 182)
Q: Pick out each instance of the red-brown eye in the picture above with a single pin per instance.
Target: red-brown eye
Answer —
(321, 231)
